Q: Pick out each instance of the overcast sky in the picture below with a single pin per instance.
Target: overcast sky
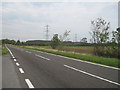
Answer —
(27, 21)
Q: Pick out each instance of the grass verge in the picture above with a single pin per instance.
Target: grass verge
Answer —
(4, 50)
(95, 59)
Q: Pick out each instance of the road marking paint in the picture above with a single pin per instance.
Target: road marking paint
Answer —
(17, 64)
(21, 70)
(28, 52)
(13, 57)
(10, 52)
(29, 83)
(15, 60)
(92, 75)
(83, 61)
(42, 57)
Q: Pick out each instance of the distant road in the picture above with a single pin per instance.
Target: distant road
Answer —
(37, 69)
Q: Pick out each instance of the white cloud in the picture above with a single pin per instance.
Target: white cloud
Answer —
(27, 20)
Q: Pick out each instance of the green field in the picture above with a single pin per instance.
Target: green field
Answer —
(101, 60)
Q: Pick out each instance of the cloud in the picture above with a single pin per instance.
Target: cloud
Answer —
(28, 20)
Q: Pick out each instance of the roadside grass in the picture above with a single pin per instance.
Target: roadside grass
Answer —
(95, 59)
(3, 50)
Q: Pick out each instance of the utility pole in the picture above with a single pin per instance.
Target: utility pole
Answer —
(75, 37)
(47, 31)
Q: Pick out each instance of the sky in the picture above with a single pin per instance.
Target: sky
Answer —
(27, 20)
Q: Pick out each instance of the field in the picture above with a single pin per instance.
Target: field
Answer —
(84, 50)
(83, 55)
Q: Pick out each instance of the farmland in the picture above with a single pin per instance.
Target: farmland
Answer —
(85, 50)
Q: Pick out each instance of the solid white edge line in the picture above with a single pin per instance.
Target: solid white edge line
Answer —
(17, 64)
(21, 70)
(10, 52)
(83, 61)
(29, 83)
(92, 75)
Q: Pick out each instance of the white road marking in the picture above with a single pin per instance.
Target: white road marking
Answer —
(10, 52)
(17, 64)
(42, 57)
(13, 57)
(92, 75)
(15, 60)
(29, 83)
(83, 61)
(21, 70)
(28, 52)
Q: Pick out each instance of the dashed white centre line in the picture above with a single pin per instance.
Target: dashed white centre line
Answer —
(17, 64)
(21, 70)
(29, 83)
(15, 60)
(28, 52)
(42, 57)
(92, 75)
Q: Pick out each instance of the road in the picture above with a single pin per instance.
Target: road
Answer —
(35, 69)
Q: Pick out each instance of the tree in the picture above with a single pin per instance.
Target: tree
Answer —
(55, 41)
(100, 34)
(7, 41)
(118, 35)
(100, 31)
(64, 38)
(65, 35)
(18, 42)
(118, 39)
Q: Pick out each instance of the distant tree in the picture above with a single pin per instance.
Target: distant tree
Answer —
(18, 42)
(7, 41)
(55, 41)
(100, 34)
(64, 38)
(65, 35)
(13, 41)
(23, 43)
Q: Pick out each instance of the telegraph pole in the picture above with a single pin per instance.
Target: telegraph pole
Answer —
(47, 31)
(75, 37)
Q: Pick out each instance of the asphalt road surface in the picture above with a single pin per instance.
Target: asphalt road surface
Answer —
(34, 69)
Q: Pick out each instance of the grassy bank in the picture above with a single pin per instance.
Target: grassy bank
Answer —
(3, 49)
(101, 60)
